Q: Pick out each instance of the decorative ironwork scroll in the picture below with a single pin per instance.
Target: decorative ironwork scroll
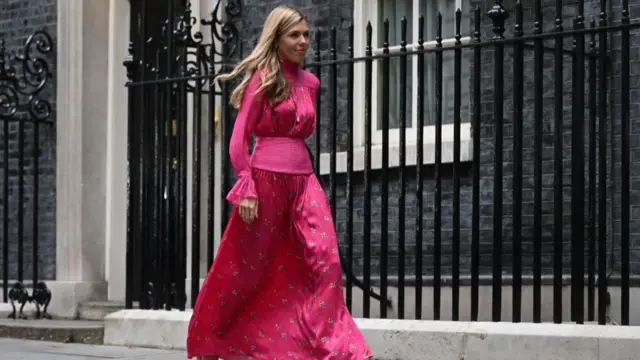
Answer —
(24, 76)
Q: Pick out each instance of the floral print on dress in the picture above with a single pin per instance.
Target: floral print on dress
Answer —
(274, 291)
(280, 295)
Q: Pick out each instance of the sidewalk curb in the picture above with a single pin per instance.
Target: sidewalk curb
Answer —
(418, 340)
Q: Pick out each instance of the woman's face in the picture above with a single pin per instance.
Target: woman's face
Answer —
(294, 43)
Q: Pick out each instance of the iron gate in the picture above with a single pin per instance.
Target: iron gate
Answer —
(166, 63)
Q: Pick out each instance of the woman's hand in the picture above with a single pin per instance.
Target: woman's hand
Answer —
(248, 209)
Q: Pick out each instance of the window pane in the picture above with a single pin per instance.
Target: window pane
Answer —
(447, 8)
(394, 11)
(430, 8)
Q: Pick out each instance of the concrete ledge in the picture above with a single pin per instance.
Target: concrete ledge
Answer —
(147, 328)
(418, 340)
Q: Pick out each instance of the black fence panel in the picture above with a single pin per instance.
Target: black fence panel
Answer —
(470, 153)
(533, 213)
(25, 113)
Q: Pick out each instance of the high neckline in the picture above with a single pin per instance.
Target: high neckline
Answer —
(290, 67)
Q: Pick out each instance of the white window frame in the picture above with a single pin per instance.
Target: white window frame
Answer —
(367, 11)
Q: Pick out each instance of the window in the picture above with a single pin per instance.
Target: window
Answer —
(376, 11)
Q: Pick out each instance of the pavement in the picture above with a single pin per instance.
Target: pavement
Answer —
(14, 349)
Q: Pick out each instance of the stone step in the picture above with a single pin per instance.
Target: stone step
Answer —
(97, 310)
(62, 331)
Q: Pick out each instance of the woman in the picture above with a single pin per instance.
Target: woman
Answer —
(275, 288)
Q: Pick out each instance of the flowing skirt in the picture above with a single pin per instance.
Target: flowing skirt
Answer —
(275, 288)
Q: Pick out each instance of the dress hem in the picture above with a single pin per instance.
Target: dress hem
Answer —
(261, 357)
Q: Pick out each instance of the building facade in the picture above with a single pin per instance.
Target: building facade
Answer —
(86, 150)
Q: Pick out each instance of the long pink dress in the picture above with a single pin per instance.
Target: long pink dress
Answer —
(275, 288)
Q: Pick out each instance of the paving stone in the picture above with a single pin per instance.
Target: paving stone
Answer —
(64, 331)
(12, 349)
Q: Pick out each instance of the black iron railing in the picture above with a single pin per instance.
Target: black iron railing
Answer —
(433, 187)
(25, 108)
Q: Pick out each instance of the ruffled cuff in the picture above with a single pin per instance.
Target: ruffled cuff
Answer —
(244, 188)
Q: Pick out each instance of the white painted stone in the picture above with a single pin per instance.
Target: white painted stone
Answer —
(98, 310)
(67, 296)
(81, 154)
(418, 340)
(116, 157)
(147, 328)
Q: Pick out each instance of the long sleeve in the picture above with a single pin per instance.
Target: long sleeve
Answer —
(250, 112)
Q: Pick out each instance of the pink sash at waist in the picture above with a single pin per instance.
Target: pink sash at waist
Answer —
(281, 154)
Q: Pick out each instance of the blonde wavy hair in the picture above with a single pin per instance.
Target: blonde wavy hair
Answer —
(264, 58)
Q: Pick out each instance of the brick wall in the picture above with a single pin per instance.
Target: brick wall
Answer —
(548, 141)
(18, 20)
(634, 141)
(323, 14)
(592, 10)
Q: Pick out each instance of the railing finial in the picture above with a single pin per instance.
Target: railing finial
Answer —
(129, 62)
(498, 14)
